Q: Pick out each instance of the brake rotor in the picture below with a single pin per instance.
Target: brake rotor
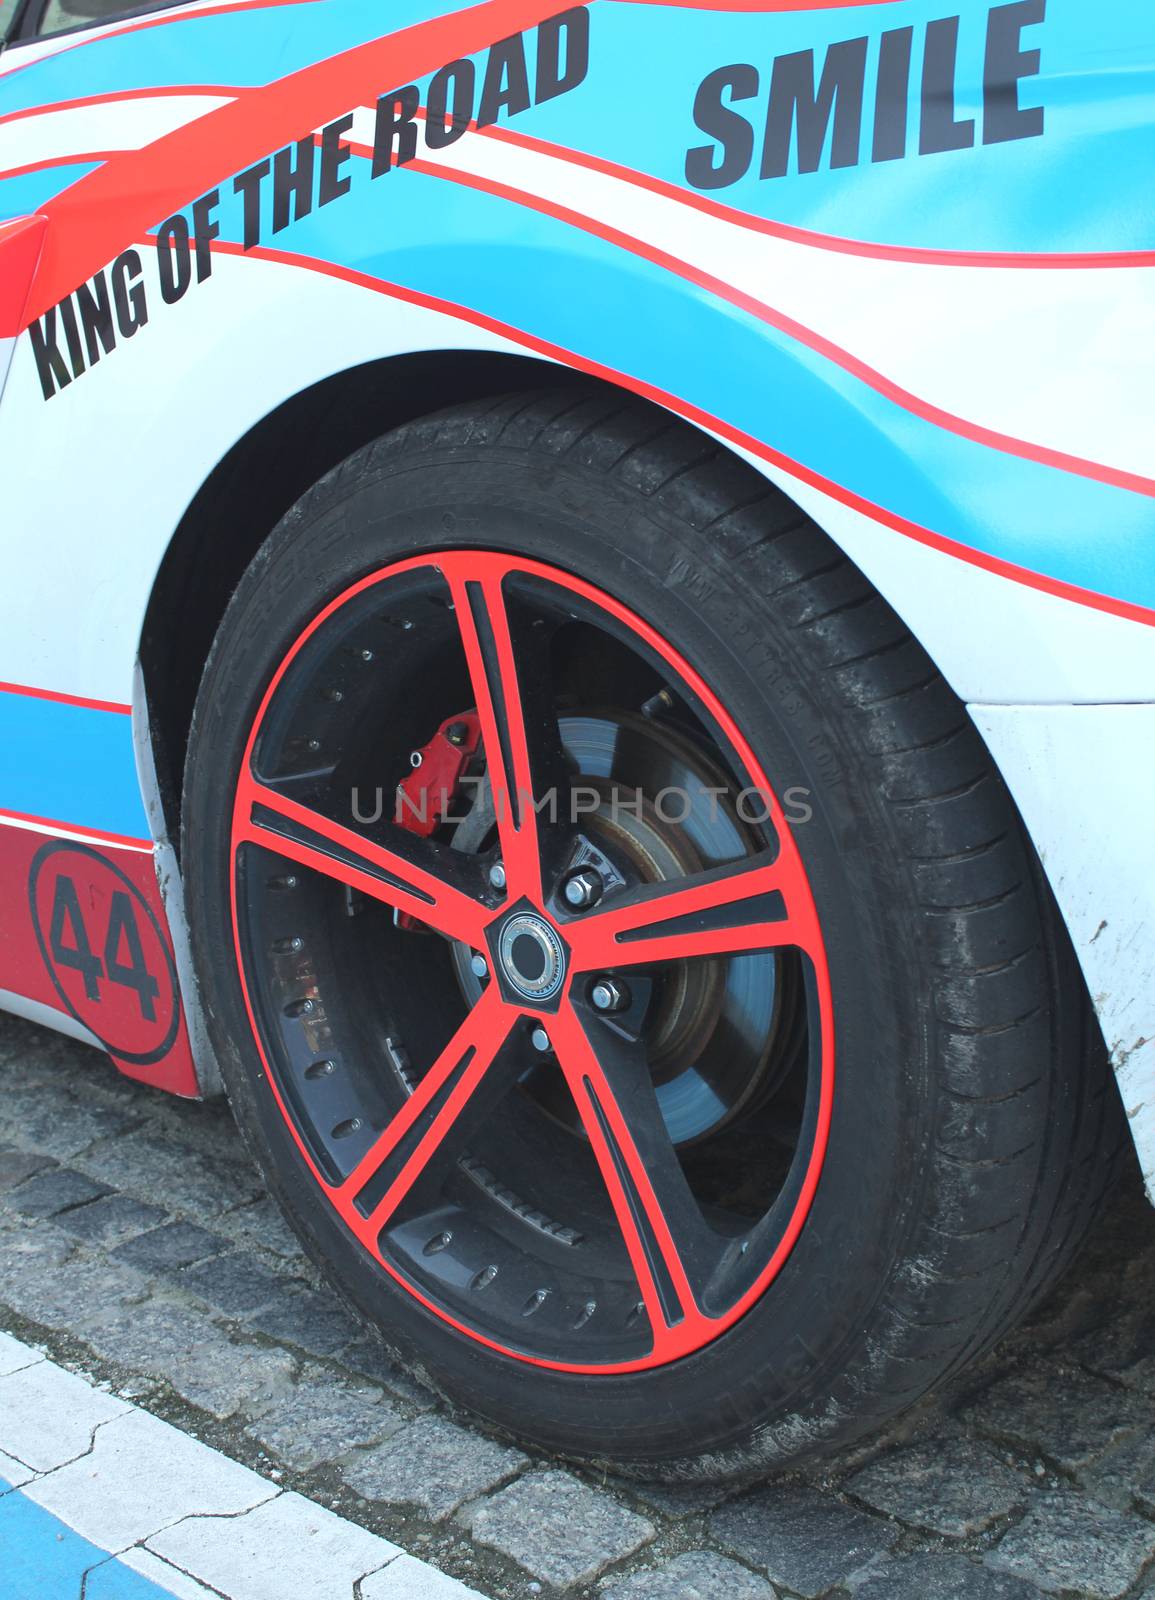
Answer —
(663, 813)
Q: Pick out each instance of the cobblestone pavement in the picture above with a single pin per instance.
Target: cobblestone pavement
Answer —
(136, 1245)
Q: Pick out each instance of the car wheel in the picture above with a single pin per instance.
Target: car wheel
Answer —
(625, 962)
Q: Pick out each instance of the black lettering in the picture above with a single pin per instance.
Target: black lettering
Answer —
(1005, 67)
(293, 183)
(940, 131)
(553, 79)
(334, 154)
(793, 98)
(248, 184)
(95, 310)
(506, 84)
(733, 134)
(206, 228)
(448, 112)
(173, 259)
(127, 296)
(891, 103)
(68, 918)
(72, 337)
(131, 974)
(50, 363)
(395, 136)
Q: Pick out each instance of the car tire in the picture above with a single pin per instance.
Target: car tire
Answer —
(956, 1124)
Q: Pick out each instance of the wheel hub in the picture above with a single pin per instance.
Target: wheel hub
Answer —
(531, 957)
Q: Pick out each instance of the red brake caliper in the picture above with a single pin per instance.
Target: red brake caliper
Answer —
(425, 795)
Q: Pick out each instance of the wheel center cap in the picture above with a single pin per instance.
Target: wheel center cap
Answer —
(532, 956)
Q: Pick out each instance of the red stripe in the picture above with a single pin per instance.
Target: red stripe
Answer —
(114, 98)
(1098, 472)
(21, 245)
(75, 827)
(1125, 609)
(65, 699)
(819, 241)
(94, 218)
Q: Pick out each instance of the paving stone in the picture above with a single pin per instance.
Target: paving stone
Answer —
(802, 1539)
(321, 1419)
(559, 1529)
(110, 1220)
(73, 1296)
(18, 1165)
(950, 1486)
(1124, 1349)
(234, 1284)
(700, 1575)
(941, 1577)
(143, 1475)
(1125, 1476)
(1068, 1543)
(262, 1224)
(316, 1323)
(51, 1192)
(175, 1245)
(678, 1500)
(433, 1464)
(174, 1173)
(49, 1416)
(1061, 1412)
(200, 1362)
(368, 1356)
(246, 1555)
(58, 1124)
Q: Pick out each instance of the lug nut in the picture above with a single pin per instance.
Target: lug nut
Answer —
(582, 889)
(540, 1040)
(479, 967)
(497, 875)
(608, 994)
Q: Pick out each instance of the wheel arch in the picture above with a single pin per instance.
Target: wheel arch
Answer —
(244, 497)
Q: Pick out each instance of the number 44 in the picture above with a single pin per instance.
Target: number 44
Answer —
(122, 936)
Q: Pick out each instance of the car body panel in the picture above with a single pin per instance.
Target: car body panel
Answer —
(938, 341)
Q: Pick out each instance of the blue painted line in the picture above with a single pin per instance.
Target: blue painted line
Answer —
(70, 764)
(41, 1558)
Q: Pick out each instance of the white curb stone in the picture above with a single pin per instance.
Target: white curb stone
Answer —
(48, 1416)
(142, 1476)
(13, 1473)
(14, 1356)
(178, 1584)
(216, 1531)
(289, 1544)
(410, 1579)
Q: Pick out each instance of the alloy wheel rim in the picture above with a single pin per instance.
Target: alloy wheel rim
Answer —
(531, 1271)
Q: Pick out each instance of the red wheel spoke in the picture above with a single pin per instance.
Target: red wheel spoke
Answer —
(414, 877)
(656, 1212)
(413, 1138)
(750, 905)
(476, 586)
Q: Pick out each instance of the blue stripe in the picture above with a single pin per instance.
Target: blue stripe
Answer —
(42, 1558)
(555, 281)
(69, 764)
(20, 197)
